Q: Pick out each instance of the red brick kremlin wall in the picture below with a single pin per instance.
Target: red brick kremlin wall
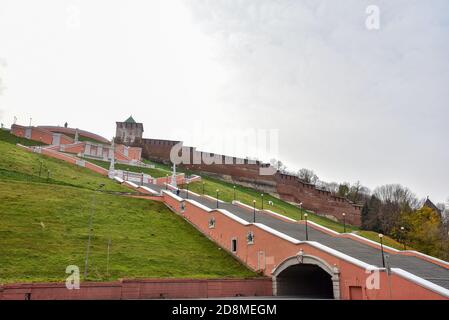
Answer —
(140, 289)
(241, 171)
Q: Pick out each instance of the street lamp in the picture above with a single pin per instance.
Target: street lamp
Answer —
(217, 196)
(187, 183)
(92, 208)
(261, 196)
(166, 182)
(234, 193)
(203, 187)
(307, 229)
(403, 237)
(254, 211)
(40, 169)
(382, 248)
(344, 222)
(300, 208)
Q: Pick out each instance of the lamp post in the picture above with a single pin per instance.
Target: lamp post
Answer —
(382, 248)
(203, 187)
(166, 182)
(307, 229)
(254, 211)
(92, 208)
(217, 196)
(344, 222)
(300, 208)
(403, 237)
(234, 193)
(261, 197)
(187, 183)
(40, 169)
(107, 260)
(48, 175)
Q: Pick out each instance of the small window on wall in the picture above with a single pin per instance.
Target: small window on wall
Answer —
(234, 245)
(212, 223)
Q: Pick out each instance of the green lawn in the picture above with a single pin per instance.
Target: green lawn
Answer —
(44, 228)
(374, 236)
(6, 136)
(154, 172)
(83, 138)
(18, 164)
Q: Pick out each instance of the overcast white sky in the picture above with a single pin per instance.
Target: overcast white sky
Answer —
(349, 103)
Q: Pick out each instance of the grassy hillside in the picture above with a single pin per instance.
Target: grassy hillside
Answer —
(154, 172)
(18, 164)
(83, 138)
(374, 236)
(44, 228)
(6, 136)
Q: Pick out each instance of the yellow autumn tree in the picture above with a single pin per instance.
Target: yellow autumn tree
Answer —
(424, 232)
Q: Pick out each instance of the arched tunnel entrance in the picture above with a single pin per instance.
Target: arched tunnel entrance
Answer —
(305, 280)
(306, 277)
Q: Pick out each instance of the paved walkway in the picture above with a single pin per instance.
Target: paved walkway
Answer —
(419, 267)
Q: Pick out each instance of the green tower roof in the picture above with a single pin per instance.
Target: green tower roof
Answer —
(130, 120)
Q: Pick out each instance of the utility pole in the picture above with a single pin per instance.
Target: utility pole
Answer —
(40, 169)
(107, 261)
(86, 263)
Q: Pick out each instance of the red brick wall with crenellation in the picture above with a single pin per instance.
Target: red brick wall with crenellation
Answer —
(288, 188)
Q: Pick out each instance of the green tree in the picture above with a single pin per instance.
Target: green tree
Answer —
(370, 214)
(343, 190)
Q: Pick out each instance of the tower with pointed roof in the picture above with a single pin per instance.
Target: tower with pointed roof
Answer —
(431, 205)
(129, 131)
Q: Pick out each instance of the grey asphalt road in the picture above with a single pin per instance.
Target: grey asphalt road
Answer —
(419, 267)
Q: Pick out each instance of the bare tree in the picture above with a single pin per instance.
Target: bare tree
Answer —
(394, 200)
(308, 176)
(279, 165)
(358, 192)
(396, 193)
(322, 185)
(332, 187)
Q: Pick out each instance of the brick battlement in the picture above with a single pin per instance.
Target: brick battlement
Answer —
(247, 172)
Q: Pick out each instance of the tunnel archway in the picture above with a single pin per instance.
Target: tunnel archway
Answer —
(306, 276)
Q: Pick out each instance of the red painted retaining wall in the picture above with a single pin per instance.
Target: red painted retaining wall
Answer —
(140, 289)
(277, 249)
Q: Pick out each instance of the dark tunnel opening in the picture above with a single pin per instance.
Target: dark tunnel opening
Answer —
(305, 280)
